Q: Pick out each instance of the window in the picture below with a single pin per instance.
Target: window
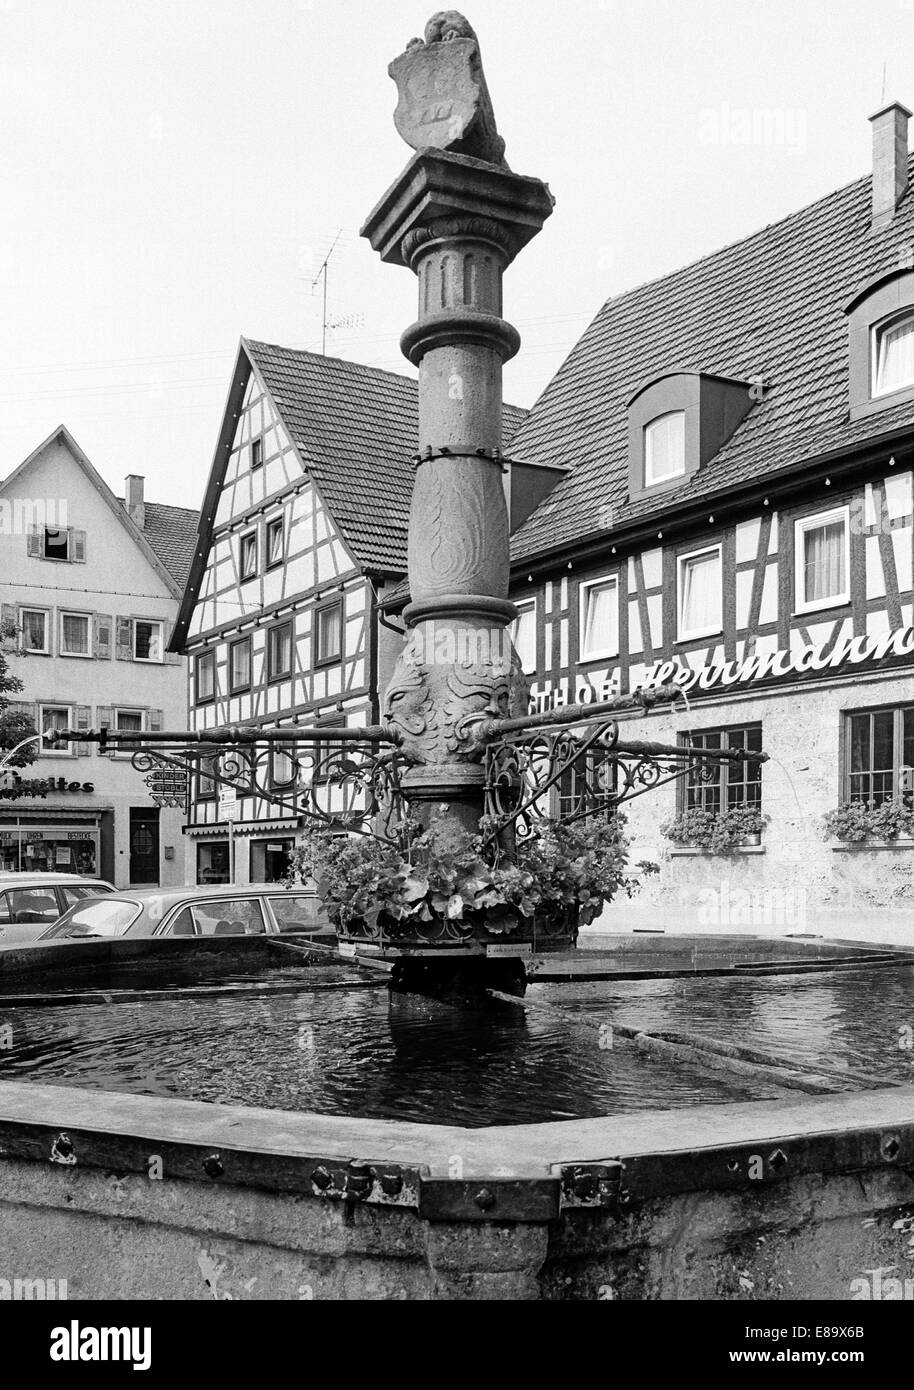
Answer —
(731, 784)
(328, 642)
(206, 784)
(247, 555)
(240, 666)
(128, 721)
(55, 719)
(74, 634)
(228, 917)
(821, 558)
(205, 678)
(56, 543)
(283, 767)
(297, 912)
(36, 630)
(32, 905)
(587, 786)
(96, 918)
(77, 893)
(147, 640)
(700, 594)
(523, 634)
(879, 755)
(664, 448)
(599, 634)
(326, 754)
(893, 356)
(276, 542)
(279, 651)
(256, 453)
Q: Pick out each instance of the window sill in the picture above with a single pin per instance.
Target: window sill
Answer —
(681, 851)
(902, 842)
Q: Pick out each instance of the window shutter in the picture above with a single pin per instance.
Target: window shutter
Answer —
(82, 724)
(171, 658)
(9, 617)
(33, 542)
(77, 546)
(154, 721)
(124, 642)
(103, 624)
(105, 715)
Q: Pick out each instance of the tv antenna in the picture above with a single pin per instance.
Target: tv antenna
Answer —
(324, 270)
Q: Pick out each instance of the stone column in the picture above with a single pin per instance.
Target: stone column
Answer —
(457, 222)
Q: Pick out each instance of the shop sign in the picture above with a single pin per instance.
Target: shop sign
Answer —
(803, 661)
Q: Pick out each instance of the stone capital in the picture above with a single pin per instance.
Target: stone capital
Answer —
(444, 193)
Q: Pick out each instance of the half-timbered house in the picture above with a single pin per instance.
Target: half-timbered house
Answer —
(303, 531)
(737, 518)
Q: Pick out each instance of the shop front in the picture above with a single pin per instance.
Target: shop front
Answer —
(52, 841)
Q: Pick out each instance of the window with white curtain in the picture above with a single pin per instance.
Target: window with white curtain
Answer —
(893, 351)
(822, 562)
(700, 594)
(74, 635)
(523, 634)
(664, 448)
(599, 632)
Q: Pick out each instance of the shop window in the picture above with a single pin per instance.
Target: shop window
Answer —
(240, 666)
(247, 556)
(599, 619)
(213, 862)
(75, 638)
(270, 864)
(279, 651)
(822, 560)
(148, 641)
(53, 719)
(276, 538)
(36, 631)
(205, 678)
(328, 641)
(523, 634)
(724, 786)
(879, 755)
(700, 592)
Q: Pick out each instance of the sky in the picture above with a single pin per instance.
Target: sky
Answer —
(176, 172)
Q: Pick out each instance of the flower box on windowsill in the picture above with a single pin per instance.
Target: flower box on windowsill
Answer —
(750, 844)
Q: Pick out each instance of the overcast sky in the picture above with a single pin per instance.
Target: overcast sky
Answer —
(176, 170)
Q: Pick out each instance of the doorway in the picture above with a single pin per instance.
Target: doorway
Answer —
(144, 844)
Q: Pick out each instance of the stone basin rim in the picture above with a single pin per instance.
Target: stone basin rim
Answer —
(526, 1151)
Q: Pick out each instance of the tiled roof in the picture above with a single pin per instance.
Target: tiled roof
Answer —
(172, 533)
(769, 305)
(355, 427)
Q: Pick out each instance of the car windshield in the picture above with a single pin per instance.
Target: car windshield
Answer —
(97, 917)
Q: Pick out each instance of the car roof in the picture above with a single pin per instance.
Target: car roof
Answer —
(11, 878)
(190, 891)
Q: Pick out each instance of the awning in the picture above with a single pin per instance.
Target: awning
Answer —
(220, 830)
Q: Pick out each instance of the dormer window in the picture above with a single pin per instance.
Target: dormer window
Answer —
(893, 355)
(677, 423)
(664, 448)
(881, 343)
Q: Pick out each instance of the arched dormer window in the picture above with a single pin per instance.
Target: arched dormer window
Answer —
(678, 422)
(881, 343)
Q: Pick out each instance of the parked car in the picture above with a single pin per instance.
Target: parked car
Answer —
(262, 909)
(31, 902)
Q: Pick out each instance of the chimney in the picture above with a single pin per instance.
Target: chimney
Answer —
(133, 486)
(890, 160)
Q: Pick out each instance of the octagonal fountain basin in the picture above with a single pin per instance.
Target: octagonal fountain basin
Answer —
(702, 1129)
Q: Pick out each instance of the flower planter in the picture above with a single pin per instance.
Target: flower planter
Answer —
(549, 929)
